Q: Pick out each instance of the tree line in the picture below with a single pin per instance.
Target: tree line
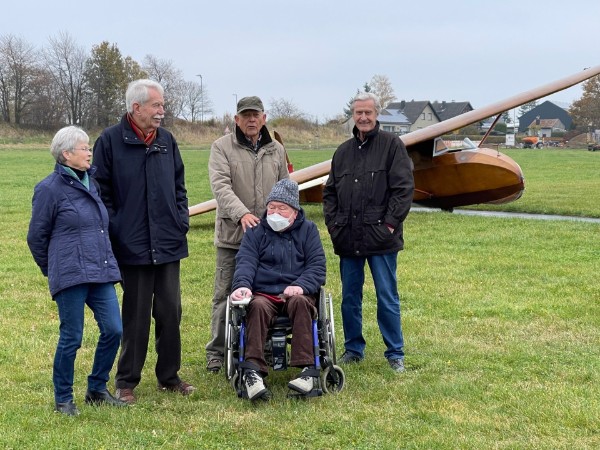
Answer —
(62, 83)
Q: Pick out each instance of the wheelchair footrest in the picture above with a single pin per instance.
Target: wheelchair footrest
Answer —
(317, 392)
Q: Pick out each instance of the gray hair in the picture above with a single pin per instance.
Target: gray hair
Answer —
(137, 92)
(362, 96)
(66, 139)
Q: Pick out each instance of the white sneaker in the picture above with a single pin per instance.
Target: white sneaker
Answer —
(302, 384)
(255, 387)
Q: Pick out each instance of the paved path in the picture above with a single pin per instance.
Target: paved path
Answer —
(511, 215)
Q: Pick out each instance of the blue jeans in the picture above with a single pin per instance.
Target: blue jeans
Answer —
(102, 300)
(383, 269)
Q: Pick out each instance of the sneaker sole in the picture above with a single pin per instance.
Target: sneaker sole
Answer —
(297, 389)
(262, 395)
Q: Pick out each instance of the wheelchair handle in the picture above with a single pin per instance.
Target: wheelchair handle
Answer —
(242, 302)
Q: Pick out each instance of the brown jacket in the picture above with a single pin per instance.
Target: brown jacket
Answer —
(241, 180)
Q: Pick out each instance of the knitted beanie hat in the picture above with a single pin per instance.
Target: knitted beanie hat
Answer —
(285, 191)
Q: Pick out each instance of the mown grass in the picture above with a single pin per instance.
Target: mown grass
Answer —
(501, 320)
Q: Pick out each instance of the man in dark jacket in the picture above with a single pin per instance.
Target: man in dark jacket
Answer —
(141, 175)
(281, 263)
(365, 201)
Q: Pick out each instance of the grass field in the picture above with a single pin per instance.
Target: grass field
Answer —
(501, 320)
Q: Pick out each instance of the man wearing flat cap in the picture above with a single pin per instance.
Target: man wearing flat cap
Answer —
(281, 263)
(243, 167)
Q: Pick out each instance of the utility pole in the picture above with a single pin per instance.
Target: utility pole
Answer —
(201, 100)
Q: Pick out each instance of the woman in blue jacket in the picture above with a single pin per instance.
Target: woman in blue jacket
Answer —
(68, 238)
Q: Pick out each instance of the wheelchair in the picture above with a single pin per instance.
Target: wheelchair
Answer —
(332, 378)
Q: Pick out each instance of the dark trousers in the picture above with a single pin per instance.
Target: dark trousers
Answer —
(262, 311)
(150, 292)
(224, 270)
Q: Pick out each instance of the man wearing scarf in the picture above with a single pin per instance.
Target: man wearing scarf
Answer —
(141, 176)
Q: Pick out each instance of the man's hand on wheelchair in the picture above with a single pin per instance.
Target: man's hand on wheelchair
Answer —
(290, 291)
(241, 294)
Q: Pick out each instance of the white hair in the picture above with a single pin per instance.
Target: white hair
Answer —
(362, 96)
(137, 92)
(66, 139)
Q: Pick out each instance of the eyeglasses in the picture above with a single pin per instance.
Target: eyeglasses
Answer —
(84, 149)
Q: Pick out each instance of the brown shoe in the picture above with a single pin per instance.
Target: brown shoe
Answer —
(125, 395)
(182, 387)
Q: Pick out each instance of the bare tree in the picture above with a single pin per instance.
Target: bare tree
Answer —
(65, 61)
(196, 102)
(49, 107)
(18, 67)
(284, 109)
(171, 79)
(5, 91)
(382, 87)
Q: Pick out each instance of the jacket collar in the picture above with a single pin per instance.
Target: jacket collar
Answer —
(264, 139)
(60, 169)
(131, 137)
(369, 135)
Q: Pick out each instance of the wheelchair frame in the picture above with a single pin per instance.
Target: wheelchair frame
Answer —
(332, 377)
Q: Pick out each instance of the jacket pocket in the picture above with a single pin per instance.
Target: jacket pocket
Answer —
(229, 232)
(340, 232)
(377, 234)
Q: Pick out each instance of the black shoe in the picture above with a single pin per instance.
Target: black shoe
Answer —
(67, 408)
(103, 398)
(349, 358)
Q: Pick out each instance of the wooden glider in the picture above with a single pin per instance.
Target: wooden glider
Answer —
(446, 178)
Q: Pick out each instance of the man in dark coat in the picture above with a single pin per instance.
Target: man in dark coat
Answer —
(141, 175)
(365, 201)
(281, 262)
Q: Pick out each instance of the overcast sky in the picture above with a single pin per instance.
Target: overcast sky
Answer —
(316, 54)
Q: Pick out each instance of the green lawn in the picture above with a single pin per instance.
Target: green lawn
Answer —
(501, 320)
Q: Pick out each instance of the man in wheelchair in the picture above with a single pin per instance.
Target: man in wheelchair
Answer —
(281, 265)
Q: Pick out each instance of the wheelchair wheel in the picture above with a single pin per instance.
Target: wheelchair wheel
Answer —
(333, 379)
(331, 330)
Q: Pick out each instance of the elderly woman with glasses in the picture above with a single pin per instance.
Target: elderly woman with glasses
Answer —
(68, 238)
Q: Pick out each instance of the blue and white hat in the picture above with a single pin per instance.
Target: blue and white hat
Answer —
(285, 191)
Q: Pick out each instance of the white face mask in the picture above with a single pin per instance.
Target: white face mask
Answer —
(277, 222)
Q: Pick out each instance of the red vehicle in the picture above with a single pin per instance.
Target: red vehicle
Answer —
(532, 142)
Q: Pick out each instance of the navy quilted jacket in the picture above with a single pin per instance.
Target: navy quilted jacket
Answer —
(269, 261)
(68, 233)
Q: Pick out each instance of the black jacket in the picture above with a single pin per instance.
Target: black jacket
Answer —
(370, 186)
(143, 189)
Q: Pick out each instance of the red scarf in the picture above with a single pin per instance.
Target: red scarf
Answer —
(149, 139)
